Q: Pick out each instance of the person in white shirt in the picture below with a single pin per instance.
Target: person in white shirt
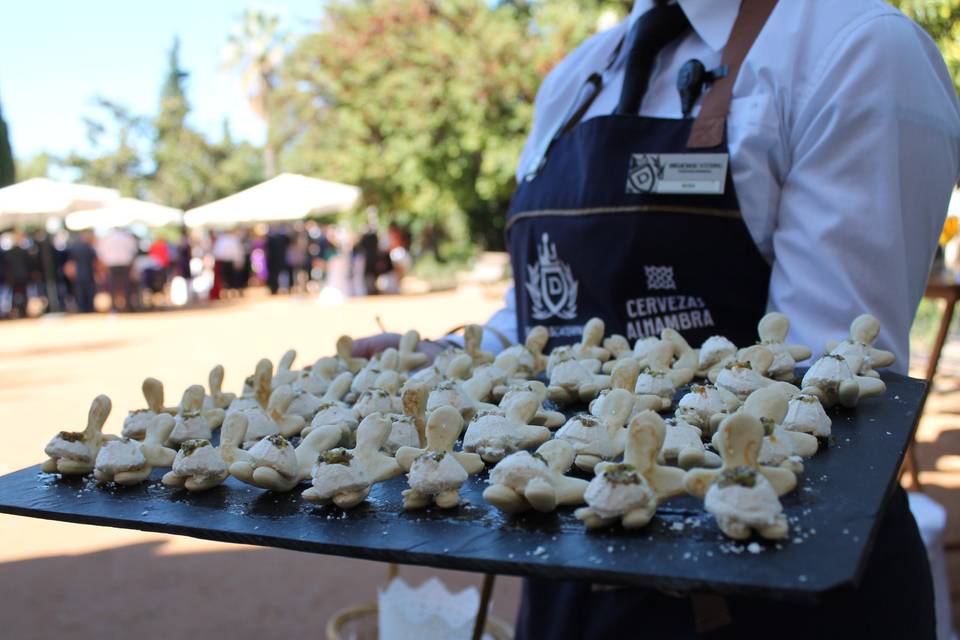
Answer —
(116, 251)
(811, 177)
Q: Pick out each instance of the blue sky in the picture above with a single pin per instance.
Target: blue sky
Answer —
(55, 56)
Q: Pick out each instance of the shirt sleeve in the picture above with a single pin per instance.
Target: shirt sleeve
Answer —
(874, 145)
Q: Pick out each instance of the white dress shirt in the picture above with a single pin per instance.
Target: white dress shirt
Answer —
(844, 139)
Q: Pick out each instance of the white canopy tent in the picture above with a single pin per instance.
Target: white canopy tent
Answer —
(286, 197)
(34, 201)
(122, 213)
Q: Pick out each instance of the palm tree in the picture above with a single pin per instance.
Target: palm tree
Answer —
(256, 48)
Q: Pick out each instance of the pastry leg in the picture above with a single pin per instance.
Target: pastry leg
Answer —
(447, 499)
(541, 495)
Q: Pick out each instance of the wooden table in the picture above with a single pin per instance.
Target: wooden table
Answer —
(939, 287)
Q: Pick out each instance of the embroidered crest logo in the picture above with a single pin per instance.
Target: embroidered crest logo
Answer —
(551, 285)
(644, 172)
(660, 278)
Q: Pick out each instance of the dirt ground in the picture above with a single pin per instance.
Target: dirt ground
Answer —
(93, 582)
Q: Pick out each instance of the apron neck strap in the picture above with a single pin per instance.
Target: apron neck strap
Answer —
(709, 127)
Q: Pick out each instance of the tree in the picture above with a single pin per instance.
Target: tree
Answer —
(117, 139)
(941, 19)
(7, 167)
(257, 48)
(425, 104)
(163, 159)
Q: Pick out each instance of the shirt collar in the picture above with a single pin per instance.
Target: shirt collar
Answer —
(711, 19)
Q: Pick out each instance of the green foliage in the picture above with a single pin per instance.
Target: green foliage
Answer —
(117, 139)
(941, 19)
(7, 167)
(256, 48)
(163, 159)
(425, 104)
(37, 166)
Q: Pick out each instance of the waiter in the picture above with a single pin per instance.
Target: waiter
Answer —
(706, 161)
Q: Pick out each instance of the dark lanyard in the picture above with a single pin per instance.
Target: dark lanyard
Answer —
(578, 108)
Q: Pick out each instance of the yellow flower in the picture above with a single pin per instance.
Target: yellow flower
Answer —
(949, 230)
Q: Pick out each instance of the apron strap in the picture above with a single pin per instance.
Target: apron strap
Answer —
(709, 127)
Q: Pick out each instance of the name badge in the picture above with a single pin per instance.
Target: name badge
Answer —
(693, 173)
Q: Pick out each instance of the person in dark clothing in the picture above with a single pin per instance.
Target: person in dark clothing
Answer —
(277, 243)
(370, 251)
(83, 260)
(18, 274)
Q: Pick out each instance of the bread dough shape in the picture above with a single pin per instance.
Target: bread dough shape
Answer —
(832, 382)
(192, 422)
(472, 339)
(381, 397)
(747, 373)
(273, 419)
(780, 447)
(805, 414)
(284, 373)
(773, 330)
(462, 395)
(345, 356)
(409, 427)
(522, 481)
(683, 446)
(705, 406)
(321, 375)
(573, 380)
(499, 375)
(632, 490)
(366, 466)
(436, 473)
(743, 495)
(75, 453)
(714, 354)
(494, 435)
(332, 410)
(543, 417)
(136, 423)
(198, 465)
(256, 389)
(366, 378)
(590, 346)
(127, 462)
(408, 356)
(273, 463)
(601, 435)
(858, 350)
(660, 380)
(529, 356)
(217, 399)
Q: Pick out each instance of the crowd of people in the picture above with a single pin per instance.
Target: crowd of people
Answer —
(43, 272)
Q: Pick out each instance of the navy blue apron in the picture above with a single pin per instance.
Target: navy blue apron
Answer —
(589, 236)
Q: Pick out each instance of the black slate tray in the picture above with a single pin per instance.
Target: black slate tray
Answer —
(833, 514)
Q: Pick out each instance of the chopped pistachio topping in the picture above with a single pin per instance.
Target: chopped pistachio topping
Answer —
(278, 441)
(809, 399)
(768, 425)
(835, 357)
(698, 388)
(447, 385)
(187, 415)
(187, 447)
(436, 456)
(741, 365)
(743, 476)
(324, 406)
(622, 474)
(537, 456)
(71, 436)
(587, 420)
(134, 412)
(336, 456)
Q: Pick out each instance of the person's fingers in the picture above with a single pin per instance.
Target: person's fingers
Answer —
(372, 345)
